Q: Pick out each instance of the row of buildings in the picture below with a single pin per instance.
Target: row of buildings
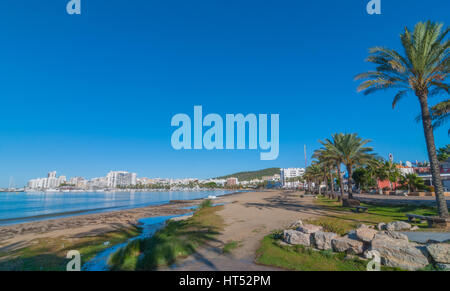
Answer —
(114, 179)
(125, 179)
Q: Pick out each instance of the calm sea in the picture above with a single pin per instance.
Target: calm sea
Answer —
(25, 206)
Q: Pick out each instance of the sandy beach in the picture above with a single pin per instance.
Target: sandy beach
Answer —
(19, 235)
(248, 218)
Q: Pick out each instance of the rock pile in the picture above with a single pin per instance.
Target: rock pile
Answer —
(394, 248)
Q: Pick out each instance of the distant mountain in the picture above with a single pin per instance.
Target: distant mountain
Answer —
(250, 175)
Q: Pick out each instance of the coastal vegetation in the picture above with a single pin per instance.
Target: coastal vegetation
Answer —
(177, 239)
(421, 70)
(49, 254)
(251, 175)
(339, 220)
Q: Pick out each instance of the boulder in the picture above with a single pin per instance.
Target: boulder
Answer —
(350, 202)
(347, 245)
(398, 225)
(398, 252)
(444, 267)
(309, 228)
(439, 252)
(395, 235)
(294, 237)
(322, 240)
(296, 224)
(381, 226)
(365, 234)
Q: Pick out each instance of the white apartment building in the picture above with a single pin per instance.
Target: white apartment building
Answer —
(121, 178)
(287, 173)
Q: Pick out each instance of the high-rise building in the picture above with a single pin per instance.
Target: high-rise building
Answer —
(121, 179)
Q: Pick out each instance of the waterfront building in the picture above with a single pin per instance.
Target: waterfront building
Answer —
(288, 173)
(121, 179)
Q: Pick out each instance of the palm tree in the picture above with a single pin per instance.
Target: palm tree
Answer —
(333, 157)
(422, 70)
(327, 165)
(443, 153)
(351, 150)
(413, 182)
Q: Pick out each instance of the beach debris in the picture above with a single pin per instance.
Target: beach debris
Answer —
(106, 243)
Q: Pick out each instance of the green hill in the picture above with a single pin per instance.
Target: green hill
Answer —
(250, 175)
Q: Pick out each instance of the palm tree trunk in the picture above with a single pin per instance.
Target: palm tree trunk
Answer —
(331, 182)
(341, 184)
(434, 163)
(349, 181)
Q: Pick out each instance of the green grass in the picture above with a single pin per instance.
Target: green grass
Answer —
(229, 246)
(49, 254)
(341, 219)
(177, 239)
(301, 258)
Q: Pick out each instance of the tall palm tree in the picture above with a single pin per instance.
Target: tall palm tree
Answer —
(334, 158)
(423, 70)
(326, 165)
(351, 150)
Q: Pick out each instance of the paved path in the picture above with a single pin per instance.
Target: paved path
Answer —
(423, 237)
(248, 218)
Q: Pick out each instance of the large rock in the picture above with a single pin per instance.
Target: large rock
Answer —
(322, 240)
(296, 224)
(398, 225)
(439, 252)
(347, 245)
(309, 228)
(365, 234)
(381, 226)
(395, 235)
(294, 237)
(398, 252)
(444, 267)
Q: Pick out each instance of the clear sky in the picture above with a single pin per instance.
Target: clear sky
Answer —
(86, 94)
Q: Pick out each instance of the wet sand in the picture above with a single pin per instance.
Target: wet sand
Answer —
(18, 235)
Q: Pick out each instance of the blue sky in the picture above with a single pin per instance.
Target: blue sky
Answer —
(87, 94)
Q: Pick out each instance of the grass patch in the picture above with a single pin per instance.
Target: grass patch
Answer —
(301, 258)
(229, 246)
(341, 219)
(49, 254)
(177, 239)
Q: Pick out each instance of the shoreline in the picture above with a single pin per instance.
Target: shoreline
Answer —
(93, 223)
(70, 213)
